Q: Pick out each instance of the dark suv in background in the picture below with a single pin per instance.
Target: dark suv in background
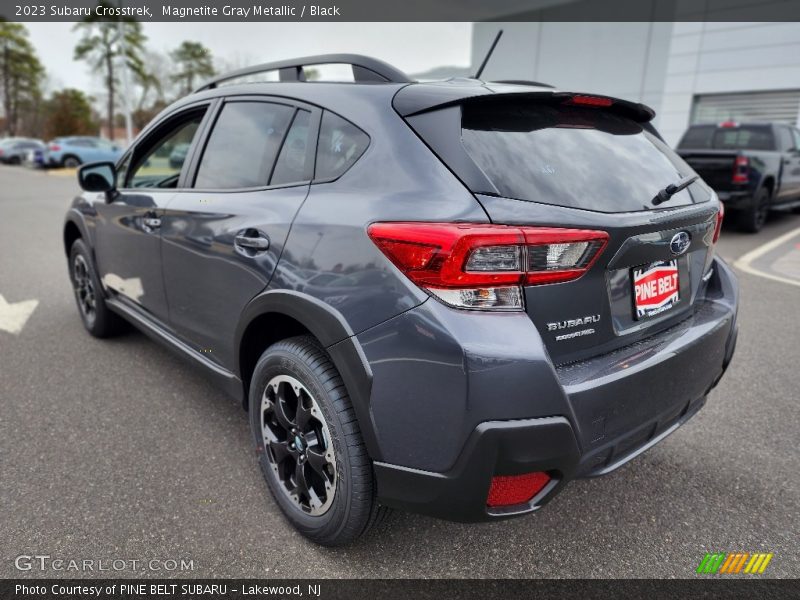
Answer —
(753, 167)
(449, 297)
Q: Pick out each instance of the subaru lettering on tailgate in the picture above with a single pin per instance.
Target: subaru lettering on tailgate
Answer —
(655, 288)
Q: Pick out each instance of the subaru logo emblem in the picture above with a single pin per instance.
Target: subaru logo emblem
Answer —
(680, 243)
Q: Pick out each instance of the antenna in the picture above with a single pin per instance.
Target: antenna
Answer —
(488, 55)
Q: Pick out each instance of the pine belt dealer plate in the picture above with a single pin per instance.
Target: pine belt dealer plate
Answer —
(655, 288)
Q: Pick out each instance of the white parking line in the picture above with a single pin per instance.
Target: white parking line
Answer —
(744, 262)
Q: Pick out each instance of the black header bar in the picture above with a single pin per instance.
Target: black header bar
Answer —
(405, 10)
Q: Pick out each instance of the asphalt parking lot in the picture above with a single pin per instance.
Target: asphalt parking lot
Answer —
(118, 450)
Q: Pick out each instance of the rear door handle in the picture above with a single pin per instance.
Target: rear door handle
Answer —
(251, 241)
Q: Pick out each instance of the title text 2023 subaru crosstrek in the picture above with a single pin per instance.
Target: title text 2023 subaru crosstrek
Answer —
(450, 297)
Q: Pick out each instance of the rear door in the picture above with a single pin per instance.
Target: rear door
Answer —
(223, 235)
(554, 163)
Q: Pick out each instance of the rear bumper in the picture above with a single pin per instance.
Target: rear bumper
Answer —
(612, 408)
(510, 448)
(507, 447)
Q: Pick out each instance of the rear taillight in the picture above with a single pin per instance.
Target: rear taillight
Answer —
(480, 266)
(729, 124)
(741, 170)
(54, 147)
(509, 490)
(718, 226)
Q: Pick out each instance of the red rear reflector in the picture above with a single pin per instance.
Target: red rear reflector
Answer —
(55, 147)
(718, 227)
(508, 490)
(590, 101)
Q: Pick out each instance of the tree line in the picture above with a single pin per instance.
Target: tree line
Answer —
(155, 79)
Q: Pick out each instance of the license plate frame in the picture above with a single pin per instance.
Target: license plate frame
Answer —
(655, 288)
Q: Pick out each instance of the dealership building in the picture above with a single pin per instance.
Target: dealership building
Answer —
(689, 72)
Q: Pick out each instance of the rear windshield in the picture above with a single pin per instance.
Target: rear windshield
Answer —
(742, 137)
(586, 158)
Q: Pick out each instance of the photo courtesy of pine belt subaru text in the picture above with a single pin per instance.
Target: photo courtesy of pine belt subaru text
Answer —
(451, 298)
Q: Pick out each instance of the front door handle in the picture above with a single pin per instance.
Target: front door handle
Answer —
(251, 241)
(151, 222)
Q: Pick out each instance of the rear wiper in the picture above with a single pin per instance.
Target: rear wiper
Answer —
(672, 189)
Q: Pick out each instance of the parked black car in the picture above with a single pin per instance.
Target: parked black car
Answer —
(449, 297)
(753, 167)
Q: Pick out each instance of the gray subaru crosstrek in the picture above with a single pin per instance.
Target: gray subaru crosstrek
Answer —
(450, 297)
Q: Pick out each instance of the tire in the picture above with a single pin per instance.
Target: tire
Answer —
(70, 162)
(752, 219)
(96, 316)
(322, 441)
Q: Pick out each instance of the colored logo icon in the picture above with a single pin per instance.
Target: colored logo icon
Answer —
(734, 563)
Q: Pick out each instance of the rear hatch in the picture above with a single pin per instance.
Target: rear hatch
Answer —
(550, 159)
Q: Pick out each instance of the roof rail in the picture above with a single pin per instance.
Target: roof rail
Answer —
(365, 70)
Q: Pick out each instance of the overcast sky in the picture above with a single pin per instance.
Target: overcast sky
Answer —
(412, 47)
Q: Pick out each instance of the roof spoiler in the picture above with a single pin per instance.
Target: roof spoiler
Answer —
(365, 70)
(408, 102)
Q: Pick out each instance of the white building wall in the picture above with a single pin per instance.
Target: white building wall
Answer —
(708, 58)
(626, 60)
(663, 65)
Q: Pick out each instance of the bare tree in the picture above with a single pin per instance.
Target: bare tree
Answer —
(100, 45)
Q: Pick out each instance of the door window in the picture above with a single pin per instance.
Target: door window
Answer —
(786, 139)
(292, 165)
(158, 160)
(796, 135)
(243, 145)
(83, 143)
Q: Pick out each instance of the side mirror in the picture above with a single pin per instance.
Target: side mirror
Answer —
(98, 177)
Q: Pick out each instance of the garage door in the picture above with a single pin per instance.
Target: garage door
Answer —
(783, 106)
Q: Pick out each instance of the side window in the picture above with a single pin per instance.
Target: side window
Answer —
(786, 139)
(122, 171)
(340, 145)
(243, 145)
(796, 135)
(158, 160)
(291, 166)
